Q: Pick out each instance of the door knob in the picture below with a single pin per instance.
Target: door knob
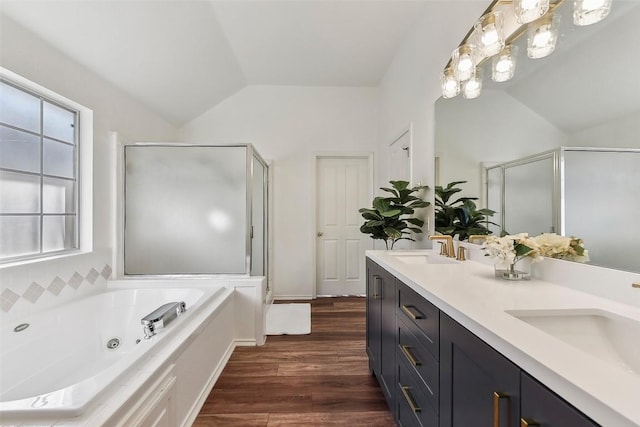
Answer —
(320, 233)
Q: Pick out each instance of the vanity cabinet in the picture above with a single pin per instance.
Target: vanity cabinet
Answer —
(479, 385)
(381, 328)
(417, 323)
(542, 407)
(435, 372)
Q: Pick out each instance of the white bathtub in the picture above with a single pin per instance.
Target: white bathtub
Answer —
(61, 363)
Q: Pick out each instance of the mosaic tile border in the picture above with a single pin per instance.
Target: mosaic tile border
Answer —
(8, 297)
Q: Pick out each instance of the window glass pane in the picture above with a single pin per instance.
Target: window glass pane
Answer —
(20, 235)
(19, 150)
(19, 108)
(19, 193)
(58, 233)
(59, 159)
(58, 196)
(59, 123)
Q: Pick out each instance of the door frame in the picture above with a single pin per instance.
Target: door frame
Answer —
(333, 155)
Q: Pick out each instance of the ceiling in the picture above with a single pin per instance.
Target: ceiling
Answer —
(591, 78)
(181, 57)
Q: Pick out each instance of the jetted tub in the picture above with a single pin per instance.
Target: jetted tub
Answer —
(67, 356)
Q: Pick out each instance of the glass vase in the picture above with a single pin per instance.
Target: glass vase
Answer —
(510, 272)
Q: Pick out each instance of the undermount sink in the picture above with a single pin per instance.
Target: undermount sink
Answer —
(603, 334)
(421, 258)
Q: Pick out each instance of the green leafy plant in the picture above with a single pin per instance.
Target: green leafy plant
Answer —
(461, 216)
(390, 217)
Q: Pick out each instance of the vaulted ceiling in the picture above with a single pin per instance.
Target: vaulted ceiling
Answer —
(181, 57)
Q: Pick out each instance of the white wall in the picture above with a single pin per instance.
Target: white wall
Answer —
(493, 128)
(619, 133)
(412, 85)
(24, 53)
(288, 125)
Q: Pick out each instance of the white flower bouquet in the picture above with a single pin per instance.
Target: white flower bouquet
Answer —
(510, 249)
(570, 248)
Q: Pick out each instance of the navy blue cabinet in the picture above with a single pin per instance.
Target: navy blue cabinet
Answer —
(381, 328)
(417, 343)
(478, 386)
(543, 408)
(374, 317)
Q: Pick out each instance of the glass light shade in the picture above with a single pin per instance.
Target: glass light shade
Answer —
(472, 87)
(503, 65)
(530, 10)
(489, 33)
(587, 12)
(463, 61)
(449, 84)
(542, 36)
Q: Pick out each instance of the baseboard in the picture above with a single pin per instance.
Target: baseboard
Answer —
(197, 406)
(292, 297)
(245, 343)
(338, 296)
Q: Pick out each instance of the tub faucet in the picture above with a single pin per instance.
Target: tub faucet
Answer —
(161, 317)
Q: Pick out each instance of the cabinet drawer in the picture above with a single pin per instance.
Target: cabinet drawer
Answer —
(420, 361)
(541, 405)
(412, 404)
(420, 316)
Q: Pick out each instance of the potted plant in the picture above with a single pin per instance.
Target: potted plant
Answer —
(461, 216)
(390, 219)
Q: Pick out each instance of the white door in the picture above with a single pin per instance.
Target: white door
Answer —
(400, 158)
(343, 187)
(400, 169)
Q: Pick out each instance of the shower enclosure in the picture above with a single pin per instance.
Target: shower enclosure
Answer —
(591, 193)
(194, 210)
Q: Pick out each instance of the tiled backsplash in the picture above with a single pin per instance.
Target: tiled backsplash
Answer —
(31, 287)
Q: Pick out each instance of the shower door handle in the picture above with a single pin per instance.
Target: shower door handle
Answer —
(320, 233)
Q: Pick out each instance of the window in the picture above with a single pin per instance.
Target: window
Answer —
(39, 154)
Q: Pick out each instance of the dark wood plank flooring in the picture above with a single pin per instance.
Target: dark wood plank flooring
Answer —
(321, 379)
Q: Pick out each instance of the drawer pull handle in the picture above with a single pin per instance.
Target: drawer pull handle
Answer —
(497, 398)
(376, 287)
(412, 312)
(407, 396)
(528, 423)
(407, 353)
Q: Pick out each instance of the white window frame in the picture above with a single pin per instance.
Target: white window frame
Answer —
(84, 168)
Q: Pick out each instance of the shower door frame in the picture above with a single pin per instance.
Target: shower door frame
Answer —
(118, 195)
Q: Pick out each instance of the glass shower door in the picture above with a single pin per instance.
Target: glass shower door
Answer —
(528, 196)
(185, 210)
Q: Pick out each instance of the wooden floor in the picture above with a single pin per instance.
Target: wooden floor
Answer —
(321, 379)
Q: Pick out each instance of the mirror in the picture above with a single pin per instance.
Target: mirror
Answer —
(585, 94)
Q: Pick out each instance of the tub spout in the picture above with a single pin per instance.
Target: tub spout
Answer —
(161, 317)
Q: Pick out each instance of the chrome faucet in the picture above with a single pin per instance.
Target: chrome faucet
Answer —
(449, 251)
(161, 317)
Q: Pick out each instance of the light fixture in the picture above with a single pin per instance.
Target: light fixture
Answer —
(503, 65)
(472, 87)
(587, 12)
(494, 35)
(530, 10)
(542, 36)
(449, 85)
(463, 61)
(489, 32)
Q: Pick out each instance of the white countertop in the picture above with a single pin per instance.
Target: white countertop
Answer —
(469, 293)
